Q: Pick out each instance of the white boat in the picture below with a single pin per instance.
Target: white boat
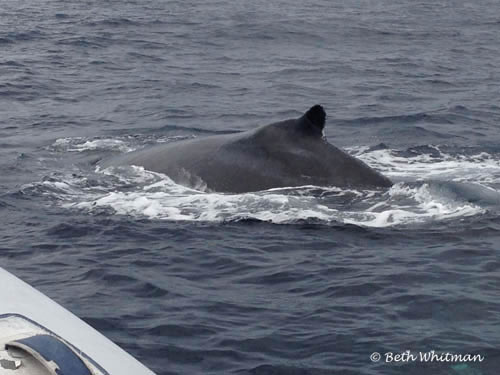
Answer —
(40, 337)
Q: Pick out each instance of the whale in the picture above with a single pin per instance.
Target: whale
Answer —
(289, 153)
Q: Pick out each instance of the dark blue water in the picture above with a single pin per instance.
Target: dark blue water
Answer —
(309, 280)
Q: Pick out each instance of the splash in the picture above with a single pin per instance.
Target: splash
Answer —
(431, 186)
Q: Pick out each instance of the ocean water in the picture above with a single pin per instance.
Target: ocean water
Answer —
(308, 280)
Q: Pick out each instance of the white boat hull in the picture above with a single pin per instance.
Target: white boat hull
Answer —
(32, 325)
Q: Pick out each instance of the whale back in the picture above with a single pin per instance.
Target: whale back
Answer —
(293, 152)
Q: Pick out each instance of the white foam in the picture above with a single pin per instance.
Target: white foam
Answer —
(79, 144)
(209, 206)
(481, 167)
(406, 205)
(165, 200)
(136, 192)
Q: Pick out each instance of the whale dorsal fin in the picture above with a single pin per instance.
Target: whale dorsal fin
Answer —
(313, 121)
